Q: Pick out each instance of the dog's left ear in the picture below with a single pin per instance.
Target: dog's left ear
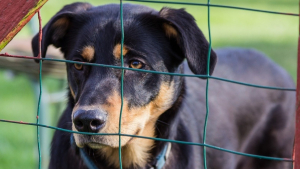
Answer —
(181, 26)
(55, 30)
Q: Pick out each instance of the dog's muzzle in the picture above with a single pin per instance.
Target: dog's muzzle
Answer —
(89, 120)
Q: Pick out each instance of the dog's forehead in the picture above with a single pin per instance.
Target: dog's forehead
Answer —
(111, 13)
(99, 39)
(103, 31)
(128, 9)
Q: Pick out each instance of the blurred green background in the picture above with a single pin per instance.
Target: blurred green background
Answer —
(275, 35)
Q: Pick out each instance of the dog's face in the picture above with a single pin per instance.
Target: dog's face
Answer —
(157, 41)
(97, 90)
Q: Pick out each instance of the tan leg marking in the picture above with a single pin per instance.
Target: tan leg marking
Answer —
(88, 53)
(117, 51)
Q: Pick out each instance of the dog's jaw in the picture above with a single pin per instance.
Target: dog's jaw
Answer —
(135, 151)
(134, 154)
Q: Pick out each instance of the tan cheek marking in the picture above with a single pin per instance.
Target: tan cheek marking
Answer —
(137, 151)
(112, 107)
(117, 51)
(132, 119)
(146, 115)
(163, 101)
(88, 53)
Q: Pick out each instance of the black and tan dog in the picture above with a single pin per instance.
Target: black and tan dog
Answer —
(245, 119)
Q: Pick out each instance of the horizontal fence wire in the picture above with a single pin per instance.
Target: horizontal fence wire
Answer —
(150, 71)
(153, 138)
(204, 145)
(215, 5)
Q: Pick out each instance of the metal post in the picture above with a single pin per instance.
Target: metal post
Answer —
(296, 154)
(44, 118)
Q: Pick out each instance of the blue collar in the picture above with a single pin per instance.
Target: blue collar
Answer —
(160, 159)
(86, 159)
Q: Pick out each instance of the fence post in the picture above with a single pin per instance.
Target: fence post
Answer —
(296, 154)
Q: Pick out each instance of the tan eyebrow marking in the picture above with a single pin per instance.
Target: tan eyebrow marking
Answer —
(117, 51)
(88, 53)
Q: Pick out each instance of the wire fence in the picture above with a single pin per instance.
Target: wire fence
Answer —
(204, 144)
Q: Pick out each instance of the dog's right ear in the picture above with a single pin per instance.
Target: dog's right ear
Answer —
(56, 29)
(181, 27)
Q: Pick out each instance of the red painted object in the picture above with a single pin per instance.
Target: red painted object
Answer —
(296, 155)
(14, 14)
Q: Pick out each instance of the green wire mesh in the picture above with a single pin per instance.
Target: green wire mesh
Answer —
(37, 124)
(40, 95)
(122, 80)
(207, 85)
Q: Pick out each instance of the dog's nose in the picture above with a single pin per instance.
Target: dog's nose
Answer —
(89, 120)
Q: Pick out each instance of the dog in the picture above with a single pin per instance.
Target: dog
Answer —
(241, 118)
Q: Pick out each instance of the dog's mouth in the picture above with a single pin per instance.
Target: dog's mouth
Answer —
(101, 141)
(95, 145)
(94, 142)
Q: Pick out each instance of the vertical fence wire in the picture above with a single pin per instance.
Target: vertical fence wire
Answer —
(207, 86)
(122, 81)
(119, 134)
(40, 86)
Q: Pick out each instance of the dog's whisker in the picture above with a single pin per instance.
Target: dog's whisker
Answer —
(161, 122)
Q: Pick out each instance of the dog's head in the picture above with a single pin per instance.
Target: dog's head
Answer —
(157, 41)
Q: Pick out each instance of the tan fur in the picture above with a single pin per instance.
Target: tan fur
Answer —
(163, 101)
(135, 121)
(117, 51)
(60, 27)
(135, 153)
(88, 53)
(170, 30)
(62, 22)
(72, 92)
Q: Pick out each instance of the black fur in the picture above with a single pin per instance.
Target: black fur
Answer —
(242, 119)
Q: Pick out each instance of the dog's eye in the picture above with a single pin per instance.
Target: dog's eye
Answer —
(136, 64)
(78, 66)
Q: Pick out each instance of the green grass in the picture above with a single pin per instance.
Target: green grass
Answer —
(17, 143)
(275, 35)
